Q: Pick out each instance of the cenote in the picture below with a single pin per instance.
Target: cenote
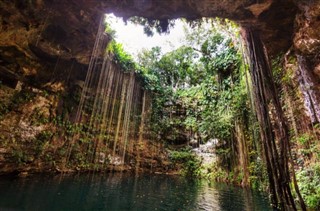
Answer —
(124, 192)
(206, 90)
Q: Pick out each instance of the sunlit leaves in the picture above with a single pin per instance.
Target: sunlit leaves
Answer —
(121, 57)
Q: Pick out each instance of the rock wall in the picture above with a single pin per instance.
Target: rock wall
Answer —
(39, 31)
(307, 47)
(45, 30)
(43, 41)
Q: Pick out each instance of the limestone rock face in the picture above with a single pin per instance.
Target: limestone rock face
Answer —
(36, 35)
(307, 36)
(46, 27)
(273, 18)
(307, 45)
(47, 43)
(47, 30)
(42, 41)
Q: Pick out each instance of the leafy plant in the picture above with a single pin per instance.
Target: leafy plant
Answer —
(19, 156)
(151, 26)
(191, 164)
(15, 101)
(309, 183)
(121, 57)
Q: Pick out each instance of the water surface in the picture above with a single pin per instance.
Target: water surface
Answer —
(124, 192)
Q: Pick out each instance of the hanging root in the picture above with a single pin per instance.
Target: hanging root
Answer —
(277, 154)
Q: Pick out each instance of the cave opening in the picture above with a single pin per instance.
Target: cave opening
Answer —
(190, 76)
(199, 93)
(199, 96)
(247, 98)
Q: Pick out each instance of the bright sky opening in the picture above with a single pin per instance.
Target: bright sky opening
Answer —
(134, 39)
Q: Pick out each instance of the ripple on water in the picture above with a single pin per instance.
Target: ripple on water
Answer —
(124, 192)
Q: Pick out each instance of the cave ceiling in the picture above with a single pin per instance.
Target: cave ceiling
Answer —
(44, 30)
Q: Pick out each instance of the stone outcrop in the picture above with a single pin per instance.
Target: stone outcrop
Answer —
(307, 46)
(43, 31)
(48, 43)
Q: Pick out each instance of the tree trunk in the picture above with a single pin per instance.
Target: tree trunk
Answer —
(276, 151)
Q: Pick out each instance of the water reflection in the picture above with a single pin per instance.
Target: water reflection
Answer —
(124, 192)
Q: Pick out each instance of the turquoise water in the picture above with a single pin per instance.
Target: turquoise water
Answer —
(124, 192)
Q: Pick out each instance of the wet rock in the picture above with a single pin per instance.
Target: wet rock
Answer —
(23, 174)
(307, 36)
(207, 151)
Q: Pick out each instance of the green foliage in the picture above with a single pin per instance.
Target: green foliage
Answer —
(40, 142)
(149, 67)
(29, 151)
(191, 164)
(68, 127)
(277, 69)
(151, 26)
(44, 136)
(38, 117)
(111, 33)
(216, 173)
(176, 67)
(22, 97)
(204, 82)
(17, 99)
(201, 88)
(258, 175)
(19, 155)
(121, 57)
(308, 145)
(304, 138)
(4, 108)
(309, 184)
